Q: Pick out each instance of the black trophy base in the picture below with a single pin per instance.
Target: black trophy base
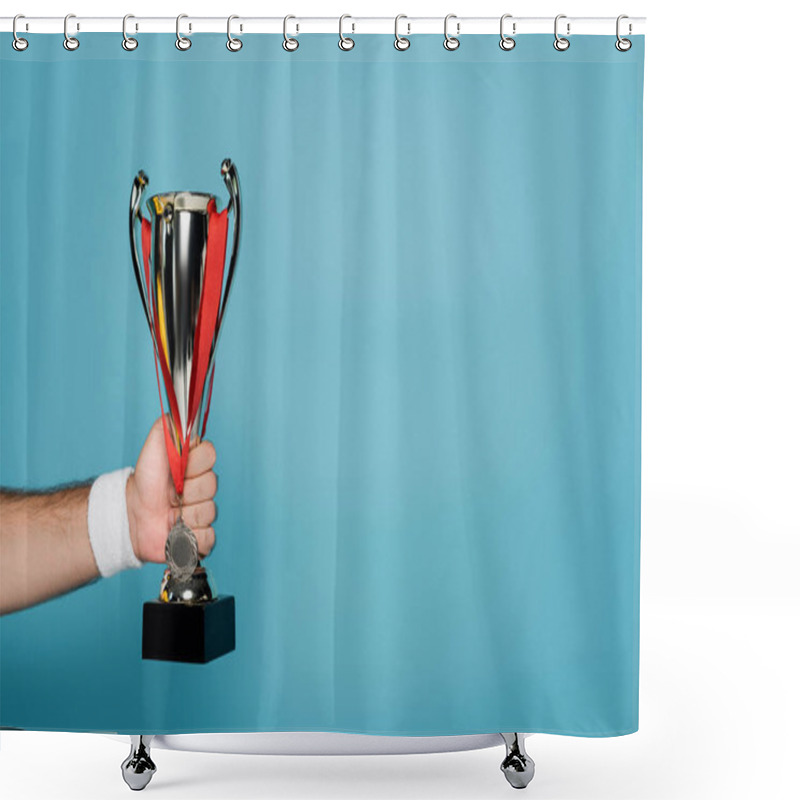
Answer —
(194, 634)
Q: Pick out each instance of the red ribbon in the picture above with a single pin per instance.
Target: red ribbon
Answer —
(205, 330)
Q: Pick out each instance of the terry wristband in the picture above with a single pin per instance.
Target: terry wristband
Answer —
(109, 534)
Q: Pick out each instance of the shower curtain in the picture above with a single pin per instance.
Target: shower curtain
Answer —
(426, 403)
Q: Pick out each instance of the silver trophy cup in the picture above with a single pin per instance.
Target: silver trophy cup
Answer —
(179, 263)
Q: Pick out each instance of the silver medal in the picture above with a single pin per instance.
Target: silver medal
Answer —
(181, 551)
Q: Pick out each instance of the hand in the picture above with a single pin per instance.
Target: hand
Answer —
(153, 503)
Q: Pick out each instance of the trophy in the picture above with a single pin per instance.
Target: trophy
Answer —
(183, 248)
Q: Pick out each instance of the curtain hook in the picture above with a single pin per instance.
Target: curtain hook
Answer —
(70, 42)
(181, 42)
(401, 42)
(345, 42)
(18, 43)
(451, 42)
(233, 44)
(623, 45)
(560, 43)
(128, 42)
(506, 42)
(290, 44)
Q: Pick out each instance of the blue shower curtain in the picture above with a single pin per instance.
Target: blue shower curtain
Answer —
(427, 397)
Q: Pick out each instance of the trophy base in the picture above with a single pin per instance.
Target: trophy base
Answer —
(194, 633)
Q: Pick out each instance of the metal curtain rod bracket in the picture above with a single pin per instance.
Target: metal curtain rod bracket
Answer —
(466, 25)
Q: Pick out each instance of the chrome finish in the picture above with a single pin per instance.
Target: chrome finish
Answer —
(181, 42)
(233, 44)
(517, 766)
(18, 43)
(138, 768)
(623, 45)
(70, 42)
(560, 43)
(451, 42)
(231, 179)
(128, 42)
(179, 230)
(401, 42)
(139, 184)
(507, 42)
(179, 233)
(345, 42)
(289, 44)
(198, 588)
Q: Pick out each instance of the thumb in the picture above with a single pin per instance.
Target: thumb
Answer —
(153, 456)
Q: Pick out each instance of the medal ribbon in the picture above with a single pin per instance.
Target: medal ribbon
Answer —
(207, 325)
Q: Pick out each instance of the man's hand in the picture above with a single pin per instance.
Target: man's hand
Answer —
(153, 503)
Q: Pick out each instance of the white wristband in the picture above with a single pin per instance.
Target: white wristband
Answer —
(109, 534)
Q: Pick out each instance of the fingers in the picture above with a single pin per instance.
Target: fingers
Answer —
(201, 459)
(199, 508)
(198, 515)
(199, 489)
(205, 540)
(196, 490)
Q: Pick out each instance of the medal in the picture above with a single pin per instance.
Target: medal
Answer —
(181, 551)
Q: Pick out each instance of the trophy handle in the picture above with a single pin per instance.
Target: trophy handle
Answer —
(139, 184)
(231, 178)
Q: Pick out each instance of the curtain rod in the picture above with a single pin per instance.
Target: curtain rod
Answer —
(407, 25)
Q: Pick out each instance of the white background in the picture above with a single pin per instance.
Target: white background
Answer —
(721, 450)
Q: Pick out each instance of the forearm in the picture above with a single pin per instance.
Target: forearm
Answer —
(44, 545)
(55, 541)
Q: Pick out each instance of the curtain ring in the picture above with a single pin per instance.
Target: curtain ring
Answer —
(70, 42)
(507, 42)
(290, 44)
(623, 45)
(401, 42)
(451, 42)
(181, 42)
(128, 42)
(233, 44)
(345, 42)
(560, 43)
(18, 43)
